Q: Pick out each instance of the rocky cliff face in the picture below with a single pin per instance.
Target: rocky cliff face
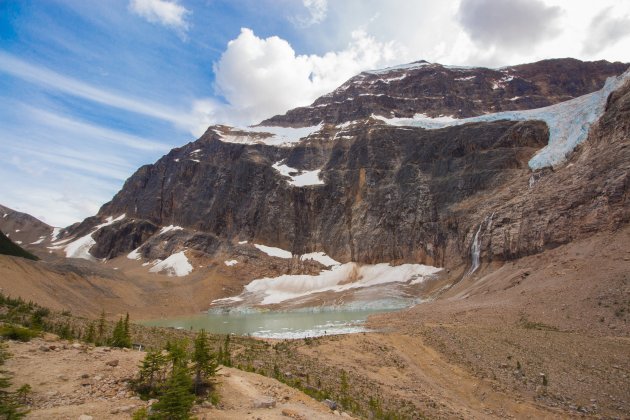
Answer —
(362, 190)
(434, 90)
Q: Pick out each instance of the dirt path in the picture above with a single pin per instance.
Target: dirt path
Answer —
(247, 395)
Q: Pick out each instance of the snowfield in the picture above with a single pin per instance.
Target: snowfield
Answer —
(272, 136)
(298, 177)
(342, 277)
(175, 265)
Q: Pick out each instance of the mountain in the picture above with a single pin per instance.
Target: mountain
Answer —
(26, 230)
(415, 165)
(8, 247)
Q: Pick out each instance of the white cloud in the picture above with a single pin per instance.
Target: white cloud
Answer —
(317, 11)
(263, 77)
(164, 12)
(41, 76)
(509, 24)
(606, 29)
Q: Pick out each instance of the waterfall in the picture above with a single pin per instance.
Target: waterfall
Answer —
(475, 251)
(475, 247)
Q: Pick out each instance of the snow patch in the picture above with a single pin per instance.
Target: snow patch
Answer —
(299, 178)
(227, 300)
(273, 136)
(409, 66)
(175, 265)
(135, 254)
(274, 252)
(169, 228)
(39, 241)
(320, 257)
(230, 263)
(18, 242)
(242, 242)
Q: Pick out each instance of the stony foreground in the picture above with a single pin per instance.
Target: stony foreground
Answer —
(74, 381)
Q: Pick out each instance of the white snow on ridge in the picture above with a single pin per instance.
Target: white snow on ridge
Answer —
(568, 122)
(273, 136)
(55, 234)
(274, 252)
(80, 248)
(169, 228)
(409, 66)
(230, 263)
(39, 241)
(337, 279)
(302, 178)
(175, 265)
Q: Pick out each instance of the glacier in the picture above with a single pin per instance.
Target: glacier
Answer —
(568, 122)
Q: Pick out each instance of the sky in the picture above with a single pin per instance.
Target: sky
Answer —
(91, 90)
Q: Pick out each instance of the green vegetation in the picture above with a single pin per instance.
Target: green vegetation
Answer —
(10, 402)
(204, 362)
(176, 376)
(15, 332)
(224, 357)
(120, 336)
(177, 400)
(8, 247)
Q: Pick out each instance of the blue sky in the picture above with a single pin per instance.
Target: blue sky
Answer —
(91, 90)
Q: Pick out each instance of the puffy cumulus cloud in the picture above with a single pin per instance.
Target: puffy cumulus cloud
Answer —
(605, 30)
(262, 77)
(509, 24)
(164, 12)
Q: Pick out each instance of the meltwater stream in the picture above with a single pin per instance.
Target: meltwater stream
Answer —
(284, 325)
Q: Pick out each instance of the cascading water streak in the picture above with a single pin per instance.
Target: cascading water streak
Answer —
(475, 251)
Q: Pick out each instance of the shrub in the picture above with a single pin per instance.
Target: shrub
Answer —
(14, 332)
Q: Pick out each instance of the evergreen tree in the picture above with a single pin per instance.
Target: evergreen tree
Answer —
(152, 372)
(90, 335)
(177, 400)
(100, 332)
(177, 354)
(204, 362)
(224, 353)
(120, 335)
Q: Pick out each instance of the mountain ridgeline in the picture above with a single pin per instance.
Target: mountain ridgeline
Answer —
(380, 192)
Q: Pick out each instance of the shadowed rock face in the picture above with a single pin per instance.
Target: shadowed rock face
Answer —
(390, 193)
